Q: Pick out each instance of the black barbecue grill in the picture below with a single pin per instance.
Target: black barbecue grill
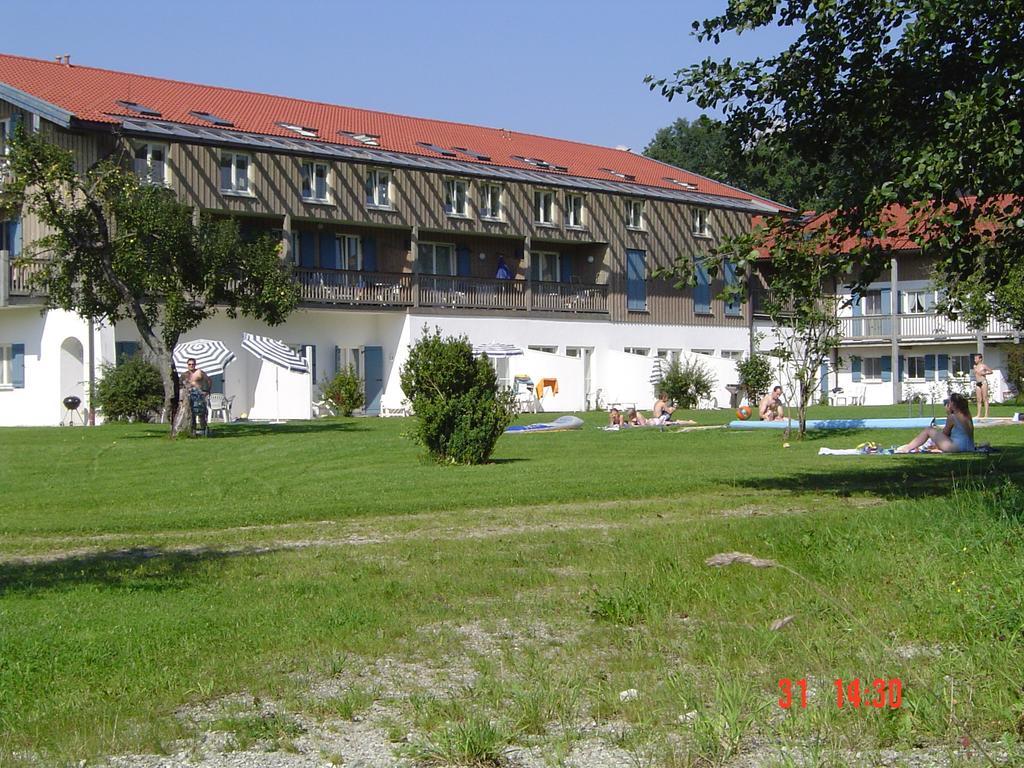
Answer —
(71, 404)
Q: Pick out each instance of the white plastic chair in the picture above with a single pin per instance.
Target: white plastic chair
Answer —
(858, 395)
(220, 405)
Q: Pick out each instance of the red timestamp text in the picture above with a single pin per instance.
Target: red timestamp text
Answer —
(878, 693)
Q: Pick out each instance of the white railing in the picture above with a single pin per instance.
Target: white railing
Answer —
(923, 326)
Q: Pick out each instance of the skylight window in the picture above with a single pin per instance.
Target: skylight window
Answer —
(309, 133)
(369, 139)
(212, 118)
(434, 148)
(132, 106)
(538, 163)
(471, 153)
(620, 174)
(679, 182)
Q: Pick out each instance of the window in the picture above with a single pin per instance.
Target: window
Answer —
(642, 351)
(731, 354)
(455, 197)
(918, 302)
(636, 281)
(707, 352)
(343, 358)
(672, 355)
(871, 368)
(234, 173)
(378, 189)
(542, 348)
(700, 222)
(960, 365)
(635, 214)
(915, 367)
(12, 366)
(314, 182)
(574, 211)
(6, 132)
(702, 289)
(871, 303)
(549, 266)
(490, 201)
(302, 130)
(350, 248)
(437, 258)
(151, 163)
(544, 206)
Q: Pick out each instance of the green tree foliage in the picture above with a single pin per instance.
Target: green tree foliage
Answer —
(1015, 370)
(686, 383)
(345, 392)
(121, 250)
(911, 103)
(701, 146)
(755, 377)
(460, 412)
(131, 391)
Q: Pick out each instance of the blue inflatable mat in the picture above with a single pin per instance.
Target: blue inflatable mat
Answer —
(836, 424)
(558, 425)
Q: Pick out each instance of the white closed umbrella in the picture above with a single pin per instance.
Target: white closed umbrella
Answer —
(280, 355)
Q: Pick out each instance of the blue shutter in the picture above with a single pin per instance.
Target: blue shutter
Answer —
(329, 255)
(824, 381)
(702, 291)
(370, 253)
(858, 324)
(855, 367)
(534, 267)
(886, 300)
(886, 368)
(15, 238)
(18, 366)
(565, 268)
(307, 246)
(943, 367)
(636, 280)
(733, 308)
(124, 350)
(929, 367)
(462, 263)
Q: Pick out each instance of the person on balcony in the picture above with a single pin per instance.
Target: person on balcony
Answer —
(503, 273)
(981, 373)
(957, 436)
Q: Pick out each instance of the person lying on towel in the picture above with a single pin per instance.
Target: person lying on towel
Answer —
(957, 436)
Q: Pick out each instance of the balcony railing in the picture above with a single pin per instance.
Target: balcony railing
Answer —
(405, 289)
(918, 326)
(759, 300)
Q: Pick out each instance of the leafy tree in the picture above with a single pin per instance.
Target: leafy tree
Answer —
(905, 106)
(345, 391)
(118, 249)
(701, 146)
(755, 376)
(687, 382)
(460, 412)
(130, 391)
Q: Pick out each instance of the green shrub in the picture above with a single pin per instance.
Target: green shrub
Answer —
(755, 376)
(1015, 369)
(131, 391)
(460, 413)
(345, 392)
(686, 383)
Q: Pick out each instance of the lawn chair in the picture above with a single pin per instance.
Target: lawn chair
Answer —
(220, 406)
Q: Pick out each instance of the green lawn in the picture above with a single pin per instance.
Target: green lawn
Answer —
(507, 606)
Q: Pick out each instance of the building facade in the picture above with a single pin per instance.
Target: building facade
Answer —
(392, 224)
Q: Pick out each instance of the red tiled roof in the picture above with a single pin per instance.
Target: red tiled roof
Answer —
(92, 94)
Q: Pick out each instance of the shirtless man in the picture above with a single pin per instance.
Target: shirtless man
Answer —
(199, 380)
(662, 410)
(771, 405)
(981, 384)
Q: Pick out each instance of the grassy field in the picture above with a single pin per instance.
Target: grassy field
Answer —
(276, 579)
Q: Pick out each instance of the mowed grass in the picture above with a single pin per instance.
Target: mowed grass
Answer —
(139, 576)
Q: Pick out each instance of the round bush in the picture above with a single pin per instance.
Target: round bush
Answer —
(131, 391)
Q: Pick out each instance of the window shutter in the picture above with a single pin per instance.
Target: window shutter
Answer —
(534, 266)
(18, 366)
(15, 238)
(307, 246)
(330, 258)
(565, 268)
(943, 367)
(702, 290)
(311, 349)
(370, 253)
(929, 367)
(824, 381)
(636, 280)
(902, 368)
(929, 302)
(855, 368)
(886, 368)
(733, 308)
(858, 325)
(463, 266)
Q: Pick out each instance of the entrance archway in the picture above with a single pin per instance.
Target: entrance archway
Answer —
(72, 370)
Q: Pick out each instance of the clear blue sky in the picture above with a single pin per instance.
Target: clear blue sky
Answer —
(571, 69)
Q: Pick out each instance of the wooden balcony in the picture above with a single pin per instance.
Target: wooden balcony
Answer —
(403, 289)
(17, 279)
(917, 327)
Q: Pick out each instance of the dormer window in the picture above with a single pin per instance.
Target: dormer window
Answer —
(367, 139)
(635, 214)
(309, 133)
(150, 163)
(620, 174)
(472, 154)
(137, 108)
(434, 148)
(700, 222)
(212, 119)
(536, 162)
(680, 183)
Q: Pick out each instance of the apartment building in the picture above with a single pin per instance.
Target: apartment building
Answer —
(392, 223)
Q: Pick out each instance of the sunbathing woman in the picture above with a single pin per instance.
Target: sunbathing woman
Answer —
(636, 419)
(957, 436)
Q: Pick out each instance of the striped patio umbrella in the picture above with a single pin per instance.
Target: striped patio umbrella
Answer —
(274, 351)
(658, 370)
(495, 350)
(211, 355)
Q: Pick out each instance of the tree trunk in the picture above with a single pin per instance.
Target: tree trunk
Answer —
(163, 357)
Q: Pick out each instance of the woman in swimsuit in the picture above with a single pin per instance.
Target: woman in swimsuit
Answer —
(981, 371)
(957, 436)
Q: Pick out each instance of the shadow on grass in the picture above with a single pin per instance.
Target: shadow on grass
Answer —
(258, 428)
(890, 476)
(138, 569)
